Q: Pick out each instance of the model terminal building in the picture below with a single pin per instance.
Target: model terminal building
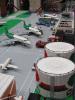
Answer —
(37, 50)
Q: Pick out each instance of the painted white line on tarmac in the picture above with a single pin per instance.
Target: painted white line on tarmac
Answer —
(28, 75)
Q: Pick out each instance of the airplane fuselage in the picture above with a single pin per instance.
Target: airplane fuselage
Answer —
(4, 66)
(7, 65)
(22, 39)
(35, 31)
(48, 16)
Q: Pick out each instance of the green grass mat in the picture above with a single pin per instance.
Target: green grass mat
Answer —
(24, 15)
(37, 91)
(9, 25)
(13, 22)
(69, 98)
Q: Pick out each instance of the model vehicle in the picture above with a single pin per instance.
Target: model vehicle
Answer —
(50, 16)
(19, 98)
(43, 22)
(66, 15)
(41, 44)
(35, 30)
(53, 38)
(17, 38)
(2, 22)
(6, 65)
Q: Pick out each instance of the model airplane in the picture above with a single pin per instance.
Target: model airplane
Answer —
(35, 30)
(2, 22)
(6, 65)
(50, 16)
(19, 98)
(17, 38)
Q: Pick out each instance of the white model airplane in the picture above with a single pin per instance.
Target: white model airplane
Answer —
(50, 16)
(35, 30)
(18, 38)
(19, 98)
(2, 22)
(6, 65)
(22, 39)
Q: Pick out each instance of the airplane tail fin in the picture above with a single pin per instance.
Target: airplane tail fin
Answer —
(9, 35)
(24, 23)
(26, 26)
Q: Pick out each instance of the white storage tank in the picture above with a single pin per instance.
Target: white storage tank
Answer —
(56, 76)
(61, 49)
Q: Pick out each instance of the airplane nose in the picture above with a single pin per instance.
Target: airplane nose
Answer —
(39, 33)
(28, 42)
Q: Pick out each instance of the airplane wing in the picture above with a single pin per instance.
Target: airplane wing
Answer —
(7, 42)
(2, 67)
(2, 23)
(9, 66)
(12, 66)
(19, 98)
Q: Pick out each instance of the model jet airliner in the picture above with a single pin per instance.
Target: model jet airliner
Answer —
(6, 65)
(17, 38)
(35, 30)
(2, 22)
(50, 16)
(19, 98)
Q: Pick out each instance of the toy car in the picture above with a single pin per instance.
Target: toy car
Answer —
(41, 44)
(45, 22)
(53, 38)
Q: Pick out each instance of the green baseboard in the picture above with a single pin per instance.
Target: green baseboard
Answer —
(24, 15)
(9, 24)
(13, 22)
(37, 91)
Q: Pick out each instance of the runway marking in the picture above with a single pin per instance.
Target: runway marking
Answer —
(30, 83)
(24, 82)
(3, 53)
(28, 90)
